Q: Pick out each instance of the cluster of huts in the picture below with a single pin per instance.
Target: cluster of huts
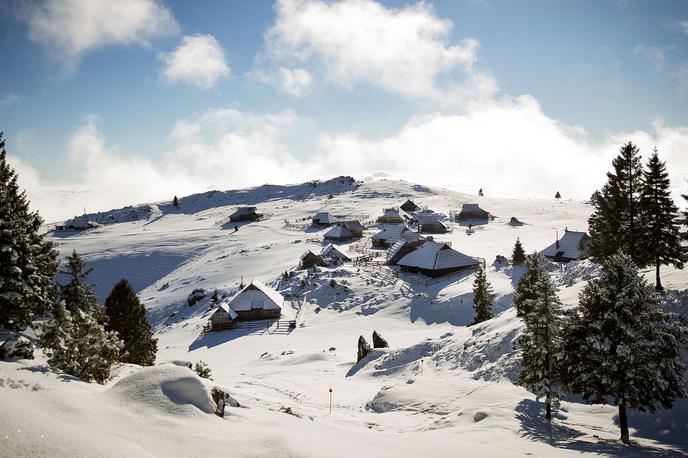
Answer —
(406, 248)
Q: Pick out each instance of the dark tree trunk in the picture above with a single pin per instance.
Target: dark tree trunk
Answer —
(623, 424)
(548, 408)
(658, 281)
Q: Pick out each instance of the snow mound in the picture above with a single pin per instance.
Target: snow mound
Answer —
(168, 389)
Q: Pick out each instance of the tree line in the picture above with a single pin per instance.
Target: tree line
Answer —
(79, 337)
(619, 345)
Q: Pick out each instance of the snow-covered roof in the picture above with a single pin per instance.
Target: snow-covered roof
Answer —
(325, 218)
(353, 224)
(436, 256)
(256, 295)
(393, 213)
(568, 246)
(241, 211)
(392, 233)
(224, 306)
(339, 232)
(409, 205)
(430, 219)
(307, 253)
(335, 251)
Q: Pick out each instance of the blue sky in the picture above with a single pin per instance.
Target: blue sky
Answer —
(274, 91)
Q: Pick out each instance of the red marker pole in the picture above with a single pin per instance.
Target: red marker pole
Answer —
(330, 400)
(421, 366)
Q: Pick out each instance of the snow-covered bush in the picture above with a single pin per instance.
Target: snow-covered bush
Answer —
(16, 347)
(196, 295)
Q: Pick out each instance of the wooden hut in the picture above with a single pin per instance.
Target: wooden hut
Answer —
(394, 216)
(332, 251)
(391, 234)
(310, 259)
(324, 219)
(571, 246)
(255, 302)
(472, 212)
(400, 249)
(435, 259)
(409, 206)
(430, 222)
(244, 214)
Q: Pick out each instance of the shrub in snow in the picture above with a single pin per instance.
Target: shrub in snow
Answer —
(499, 259)
(127, 317)
(16, 347)
(27, 261)
(202, 370)
(363, 349)
(196, 295)
(77, 344)
(619, 346)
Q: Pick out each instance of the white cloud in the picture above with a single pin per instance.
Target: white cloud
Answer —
(510, 148)
(653, 54)
(9, 101)
(404, 50)
(199, 61)
(681, 77)
(683, 26)
(71, 28)
(294, 81)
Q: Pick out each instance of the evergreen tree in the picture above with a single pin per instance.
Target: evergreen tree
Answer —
(482, 297)
(526, 289)
(518, 257)
(27, 262)
(77, 294)
(619, 346)
(202, 370)
(557, 195)
(616, 222)
(540, 344)
(480, 192)
(127, 316)
(661, 240)
(175, 202)
(80, 346)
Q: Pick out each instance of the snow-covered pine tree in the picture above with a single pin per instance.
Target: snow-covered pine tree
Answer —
(661, 240)
(518, 257)
(540, 344)
(27, 262)
(203, 370)
(127, 317)
(619, 346)
(557, 195)
(616, 222)
(77, 294)
(80, 346)
(482, 297)
(526, 289)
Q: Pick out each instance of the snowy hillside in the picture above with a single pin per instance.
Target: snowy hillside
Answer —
(446, 386)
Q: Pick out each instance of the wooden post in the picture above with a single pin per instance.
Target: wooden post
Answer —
(330, 400)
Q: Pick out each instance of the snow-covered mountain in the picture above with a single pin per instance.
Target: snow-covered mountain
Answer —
(446, 386)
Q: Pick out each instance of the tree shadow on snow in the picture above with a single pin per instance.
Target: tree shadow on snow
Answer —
(214, 338)
(51, 370)
(535, 427)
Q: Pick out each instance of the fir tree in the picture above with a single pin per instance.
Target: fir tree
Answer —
(661, 240)
(480, 192)
(526, 289)
(557, 195)
(619, 346)
(616, 222)
(540, 344)
(80, 346)
(518, 257)
(202, 370)
(27, 262)
(175, 202)
(77, 293)
(482, 297)
(127, 316)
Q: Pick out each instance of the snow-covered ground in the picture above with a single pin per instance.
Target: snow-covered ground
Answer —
(447, 387)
